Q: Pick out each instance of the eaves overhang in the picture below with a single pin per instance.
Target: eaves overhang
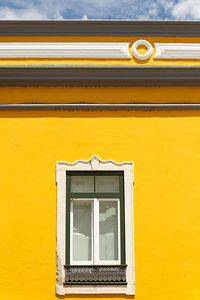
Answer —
(98, 75)
(99, 28)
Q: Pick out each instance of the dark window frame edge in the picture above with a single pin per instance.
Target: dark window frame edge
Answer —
(69, 195)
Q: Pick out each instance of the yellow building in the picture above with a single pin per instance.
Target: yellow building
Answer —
(110, 111)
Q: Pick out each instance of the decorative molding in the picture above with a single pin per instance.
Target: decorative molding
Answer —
(95, 163)
(177, 50)
(99, 28)
(99, 107)
(99, 75)
(59, 275)
(64, 50)
(142, 43)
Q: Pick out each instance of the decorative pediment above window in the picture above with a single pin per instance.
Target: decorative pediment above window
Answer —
(94, 163)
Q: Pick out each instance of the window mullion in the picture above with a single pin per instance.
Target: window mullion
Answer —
(96, 232)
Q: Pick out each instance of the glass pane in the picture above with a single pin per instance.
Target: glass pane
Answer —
(82, 231)
(108, 230)
(107, 184)
(82, 184)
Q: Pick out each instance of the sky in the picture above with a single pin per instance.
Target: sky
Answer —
(100, 9)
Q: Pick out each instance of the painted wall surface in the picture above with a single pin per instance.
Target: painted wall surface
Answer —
(164, 146)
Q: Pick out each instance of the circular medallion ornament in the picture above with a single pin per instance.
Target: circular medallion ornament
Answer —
(142, 43)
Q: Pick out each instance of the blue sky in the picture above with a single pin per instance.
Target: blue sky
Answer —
(100, 9)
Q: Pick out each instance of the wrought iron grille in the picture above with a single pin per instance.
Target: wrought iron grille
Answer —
(95, 274)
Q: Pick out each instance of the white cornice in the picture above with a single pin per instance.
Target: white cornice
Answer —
(177, 50)
(64, 50)
(98, 50)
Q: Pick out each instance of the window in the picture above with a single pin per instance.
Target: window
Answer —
(95, 227)
(95, 214)
(95, 222)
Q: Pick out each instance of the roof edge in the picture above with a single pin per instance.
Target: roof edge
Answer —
(99, 28)
(110, 76)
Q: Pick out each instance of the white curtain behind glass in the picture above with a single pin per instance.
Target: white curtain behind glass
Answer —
(82, 231)
(108, 230)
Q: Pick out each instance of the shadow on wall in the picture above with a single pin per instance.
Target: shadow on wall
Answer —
(100, 114)
(116, 297)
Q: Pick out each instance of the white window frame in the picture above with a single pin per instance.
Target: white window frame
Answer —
(94, 164)
(95, 229)
(71, 232)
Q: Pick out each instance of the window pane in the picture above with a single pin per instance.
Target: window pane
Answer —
(107, 184)
(82, 231)
(82, 184)
(108, 230)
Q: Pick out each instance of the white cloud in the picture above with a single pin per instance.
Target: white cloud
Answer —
(186, 9)
(84, 17)
(100, 9)
(7, 13)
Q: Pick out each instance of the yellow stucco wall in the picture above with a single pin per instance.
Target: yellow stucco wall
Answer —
(165, 148)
